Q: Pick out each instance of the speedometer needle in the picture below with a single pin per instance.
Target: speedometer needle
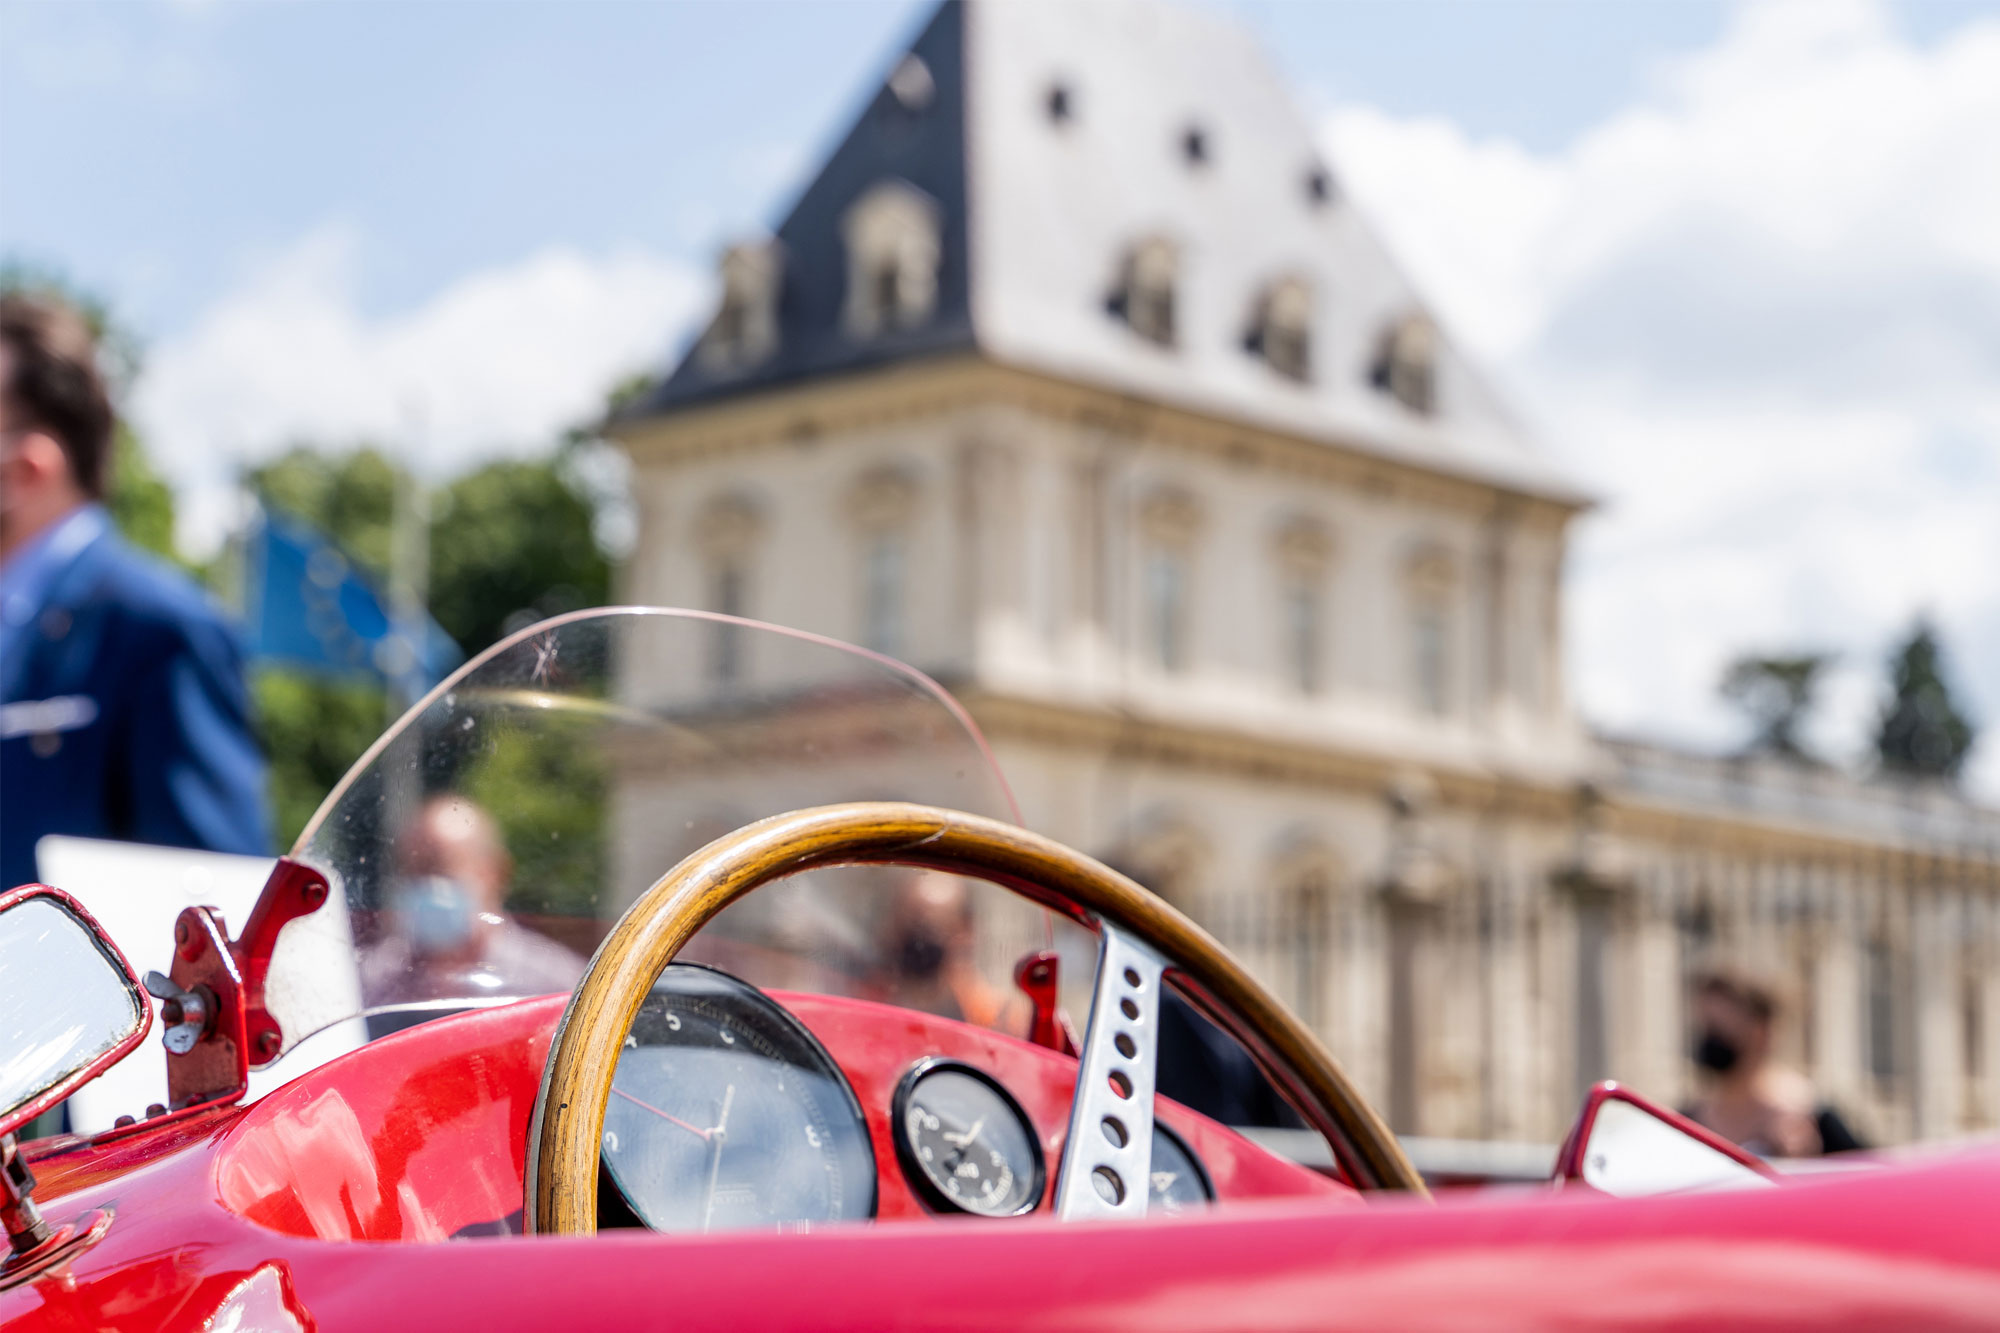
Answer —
(670, 1119)
(715, 1140)
(961, 1140)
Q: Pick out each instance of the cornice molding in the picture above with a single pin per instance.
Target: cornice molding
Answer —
(1480, 793)
(912, 390)
(1215, 749)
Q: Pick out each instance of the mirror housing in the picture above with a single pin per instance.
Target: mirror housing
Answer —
(1627, 1147)
(70, 1007)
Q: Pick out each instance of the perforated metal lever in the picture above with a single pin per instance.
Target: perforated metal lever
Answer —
(1107, 1159)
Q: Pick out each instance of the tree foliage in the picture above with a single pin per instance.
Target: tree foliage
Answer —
(140, 501)
(1777, 693)
(350, 495)
(512, 544)
(1922, 732)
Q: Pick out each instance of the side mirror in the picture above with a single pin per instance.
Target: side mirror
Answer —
(1623, 1145)
(69, 1005)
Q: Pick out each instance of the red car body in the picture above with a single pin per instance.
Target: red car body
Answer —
(333, 1203)
(385, 1188)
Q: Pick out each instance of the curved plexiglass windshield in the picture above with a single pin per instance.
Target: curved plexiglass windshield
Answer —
(484, 845)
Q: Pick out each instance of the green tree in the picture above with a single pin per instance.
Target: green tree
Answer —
(350, 496)
(314, 727)
(140, 501)
(1922, 731)
(1777, 693)
(511, 544)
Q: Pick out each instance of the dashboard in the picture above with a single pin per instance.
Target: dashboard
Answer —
(734, 1109)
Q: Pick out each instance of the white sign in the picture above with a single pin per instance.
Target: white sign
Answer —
(136, 892)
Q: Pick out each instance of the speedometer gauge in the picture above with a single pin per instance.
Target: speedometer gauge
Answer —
(965, 1144)
(1178, 1181)
(725, 1113)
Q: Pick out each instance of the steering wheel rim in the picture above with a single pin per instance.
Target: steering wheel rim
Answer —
(568, 1124)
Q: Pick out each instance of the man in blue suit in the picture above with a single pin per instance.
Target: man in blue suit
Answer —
(123, 710)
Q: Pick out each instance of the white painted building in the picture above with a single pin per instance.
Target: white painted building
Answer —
(1073, 379)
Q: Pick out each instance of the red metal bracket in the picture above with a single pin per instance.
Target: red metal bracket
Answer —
(294, 890)
(1037, 974)
(217, 1070)
(227, 982)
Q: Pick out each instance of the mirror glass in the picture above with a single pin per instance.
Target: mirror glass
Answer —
(1632, 1152)
(64, 1001)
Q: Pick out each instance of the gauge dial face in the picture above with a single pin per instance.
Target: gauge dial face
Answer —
(1177, 1183)
(726, 1114)
(965, 1144)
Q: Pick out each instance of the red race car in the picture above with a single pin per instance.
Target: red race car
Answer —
(811, 1075)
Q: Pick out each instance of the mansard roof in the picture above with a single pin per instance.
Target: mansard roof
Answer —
(1054, 137)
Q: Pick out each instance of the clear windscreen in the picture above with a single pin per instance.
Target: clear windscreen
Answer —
(484, 845)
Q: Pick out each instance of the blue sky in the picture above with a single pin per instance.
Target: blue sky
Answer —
(1736, 262)
(154, 149)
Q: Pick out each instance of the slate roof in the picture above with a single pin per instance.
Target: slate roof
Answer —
(1038, 212)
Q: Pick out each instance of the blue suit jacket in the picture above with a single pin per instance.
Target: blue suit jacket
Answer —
(127, 716)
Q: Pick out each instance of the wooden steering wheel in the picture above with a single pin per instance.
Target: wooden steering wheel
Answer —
(1140, 938)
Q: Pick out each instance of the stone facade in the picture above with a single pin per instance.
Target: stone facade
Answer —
(1299, 669)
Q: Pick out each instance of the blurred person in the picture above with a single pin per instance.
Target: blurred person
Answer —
(1749, 1098)
(448, 934)
(123, 709)
(930, 956)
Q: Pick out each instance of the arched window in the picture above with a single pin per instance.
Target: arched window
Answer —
(1430, 581)
(883, 505)
(1170, 523)
(883, 592)
(1303, 553)
(893, 252)
(1144, 296)
(727, 534)
(1167, 853)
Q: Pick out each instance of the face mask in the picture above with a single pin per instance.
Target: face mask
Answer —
(1716, 1052)
(434, 913)
(920, 955)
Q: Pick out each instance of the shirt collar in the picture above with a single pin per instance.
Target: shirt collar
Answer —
(27, 574)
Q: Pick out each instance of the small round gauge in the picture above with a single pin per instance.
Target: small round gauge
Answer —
(965, 1144)
(726, 1113)
(1178, 1184)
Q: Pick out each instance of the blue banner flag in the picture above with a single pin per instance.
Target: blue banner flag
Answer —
(307, 605)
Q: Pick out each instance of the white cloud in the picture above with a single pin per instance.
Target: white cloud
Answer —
(1760, 311)
(498, 363)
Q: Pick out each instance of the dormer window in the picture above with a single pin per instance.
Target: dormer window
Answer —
(1144, 298)
(1281, 328)
(1406, 363)
(745, 328)
(893, 251)
(911, 84)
